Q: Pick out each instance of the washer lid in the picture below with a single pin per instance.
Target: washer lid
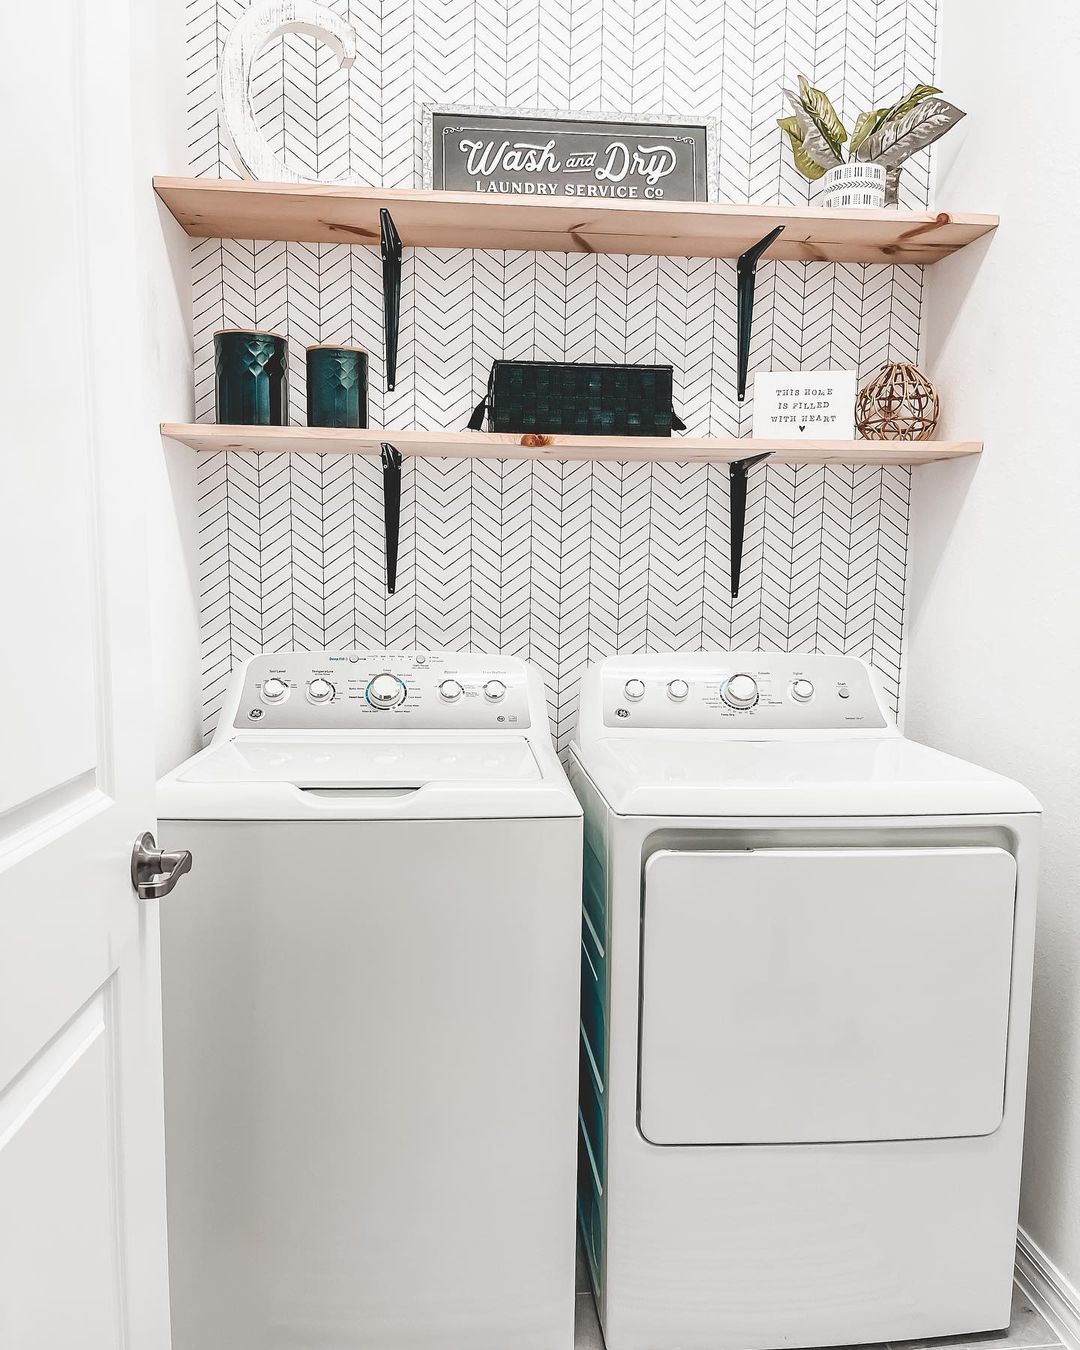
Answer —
(847, 776)
(366, 776)
(369, 763)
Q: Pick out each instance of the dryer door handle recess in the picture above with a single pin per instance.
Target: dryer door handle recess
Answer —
(153, 871)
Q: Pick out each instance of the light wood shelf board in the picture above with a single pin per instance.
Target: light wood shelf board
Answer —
(209, 437)
(329, 213)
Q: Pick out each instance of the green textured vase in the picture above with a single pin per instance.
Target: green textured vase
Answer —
(251, 371)
(337, 387)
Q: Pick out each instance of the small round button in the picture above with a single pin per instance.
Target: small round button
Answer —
(741, 691)
(678, 690)
(494, 690)
(634, 690)
(450, 690)
(385, 691)
(802, 691)
(274, 690)
(320, 691)
(843, 691)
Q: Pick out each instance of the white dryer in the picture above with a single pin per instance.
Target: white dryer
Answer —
(370, 1011)
(806, 964)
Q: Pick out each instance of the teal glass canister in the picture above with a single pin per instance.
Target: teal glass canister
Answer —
(251, 371)
(337, 379)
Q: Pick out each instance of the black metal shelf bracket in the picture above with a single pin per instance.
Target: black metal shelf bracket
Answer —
(746, 271)
(738, 470)
(391, 495)
(390, 243)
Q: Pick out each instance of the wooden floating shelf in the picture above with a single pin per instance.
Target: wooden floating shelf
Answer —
(208, 437)
(322, 213)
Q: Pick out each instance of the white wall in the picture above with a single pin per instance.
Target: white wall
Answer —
(164, 368)
(992, 664)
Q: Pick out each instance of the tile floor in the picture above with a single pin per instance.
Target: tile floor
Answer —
(1027, 1330)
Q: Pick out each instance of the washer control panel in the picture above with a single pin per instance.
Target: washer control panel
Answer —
(366, 690)
(768, 691)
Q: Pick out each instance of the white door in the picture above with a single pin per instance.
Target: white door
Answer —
(82, 1192)
(825, 995)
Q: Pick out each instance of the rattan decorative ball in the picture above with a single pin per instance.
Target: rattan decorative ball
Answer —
(899, 404)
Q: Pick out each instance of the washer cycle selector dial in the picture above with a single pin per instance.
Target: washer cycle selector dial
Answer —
(634, 690)
(320, 690)
(450, 691)
(274, 690)
(494, 690)
(385, 691)
(678, 690)
(802, 690)
(741, 691)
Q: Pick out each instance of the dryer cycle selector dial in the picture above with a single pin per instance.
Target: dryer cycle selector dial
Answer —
(740, 691)
(320, 690)
(274, 690)
(385, 691)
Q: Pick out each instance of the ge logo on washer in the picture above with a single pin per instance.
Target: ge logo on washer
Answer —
(255, 714)
(622, 712)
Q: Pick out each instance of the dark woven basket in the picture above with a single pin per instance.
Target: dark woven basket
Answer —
(578, 400)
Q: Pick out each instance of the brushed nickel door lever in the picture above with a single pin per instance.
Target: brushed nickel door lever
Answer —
(153, 871)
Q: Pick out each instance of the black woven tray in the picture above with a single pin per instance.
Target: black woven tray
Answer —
(578, 400)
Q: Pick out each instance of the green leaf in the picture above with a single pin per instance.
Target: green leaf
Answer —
(865, 140)
(814, 141)
(806, 165)
(867, 124)
(920, 126)
(905, 105)
(820, 108)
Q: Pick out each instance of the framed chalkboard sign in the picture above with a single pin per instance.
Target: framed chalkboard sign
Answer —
(516, 153)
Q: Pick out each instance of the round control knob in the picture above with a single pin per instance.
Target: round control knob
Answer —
(494, 690)
(274, 690)
(678, 690)
(634, 690)
(450, 690)
(802, 691)
(740, 691)
(385, 691)
(320, 691)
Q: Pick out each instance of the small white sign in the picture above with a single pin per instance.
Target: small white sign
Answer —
(804, 405)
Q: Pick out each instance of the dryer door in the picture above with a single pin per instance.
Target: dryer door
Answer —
(825, 995)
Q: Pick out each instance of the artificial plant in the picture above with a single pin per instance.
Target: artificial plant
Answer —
(885, 136)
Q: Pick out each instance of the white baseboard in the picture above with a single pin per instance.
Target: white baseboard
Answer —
(1052, 1294)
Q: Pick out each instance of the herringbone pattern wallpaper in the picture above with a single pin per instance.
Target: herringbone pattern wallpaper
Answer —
(558, 563)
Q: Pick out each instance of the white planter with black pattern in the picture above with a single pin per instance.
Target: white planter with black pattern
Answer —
(854, 185)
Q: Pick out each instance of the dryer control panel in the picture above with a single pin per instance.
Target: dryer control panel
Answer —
(739, 691)
(339, 691)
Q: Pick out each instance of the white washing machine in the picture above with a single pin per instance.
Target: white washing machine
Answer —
(371, 1011)
(806, 962)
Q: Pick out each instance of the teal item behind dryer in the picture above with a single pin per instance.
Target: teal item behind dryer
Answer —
(593, 1062)
(337, 387)
(251, 375)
